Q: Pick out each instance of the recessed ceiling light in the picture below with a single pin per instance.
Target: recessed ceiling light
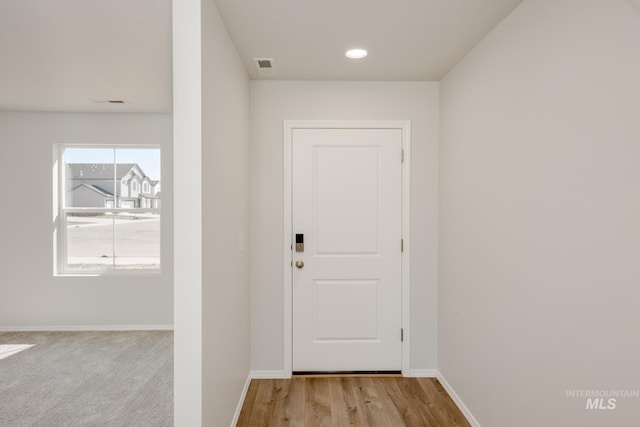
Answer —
(356, 53)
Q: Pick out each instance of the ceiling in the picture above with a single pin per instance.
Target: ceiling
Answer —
(75, 55)
(406, 39)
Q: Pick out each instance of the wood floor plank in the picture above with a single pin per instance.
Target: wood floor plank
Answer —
(380, 408)
(278, 394)
(446, 407)
(340, 410)
(249, 403)
(350, 401)
(423, 400)
(261, 405)
(412, 411)
(263, 400)
(294, 402)
(355, 404)
(317, 403)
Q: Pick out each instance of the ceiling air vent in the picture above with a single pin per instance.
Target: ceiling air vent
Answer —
(265, 66)
(109, 101)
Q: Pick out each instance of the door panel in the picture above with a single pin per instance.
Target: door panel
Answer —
(347, 203)
(335, 317)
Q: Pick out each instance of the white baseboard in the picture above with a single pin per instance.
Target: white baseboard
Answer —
(268, 375)
(420, 373)
(78, 328)
(456, 399)
(243, 395)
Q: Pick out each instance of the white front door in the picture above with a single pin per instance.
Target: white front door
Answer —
(347, 211)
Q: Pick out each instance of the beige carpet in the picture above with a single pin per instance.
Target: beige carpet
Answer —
(87, 379)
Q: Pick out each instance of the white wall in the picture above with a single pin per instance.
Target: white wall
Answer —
(211, 110)
(225, 213)
(540, 216)
(30, 296)
(271, 103)
(187, 144)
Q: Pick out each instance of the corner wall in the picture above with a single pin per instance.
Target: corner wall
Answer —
(211, 111)
(187, 143)
(225, 222)
(540, 208)
(272, 102)
(30, 296)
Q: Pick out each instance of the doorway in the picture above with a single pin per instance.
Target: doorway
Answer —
(347, 246)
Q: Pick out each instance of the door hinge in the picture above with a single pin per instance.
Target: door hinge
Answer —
(402, 155)
(401, 334)
(401, 245)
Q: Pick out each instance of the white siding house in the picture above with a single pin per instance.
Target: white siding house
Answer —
(98, 184)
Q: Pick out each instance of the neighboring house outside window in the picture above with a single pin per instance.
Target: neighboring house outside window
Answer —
(92, 185)
(105, 222)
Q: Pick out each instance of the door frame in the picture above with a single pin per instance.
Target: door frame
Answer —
(289, 126)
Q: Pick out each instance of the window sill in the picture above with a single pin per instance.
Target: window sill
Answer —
(122, 273)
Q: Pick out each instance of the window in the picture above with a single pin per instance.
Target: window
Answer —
(100, 227)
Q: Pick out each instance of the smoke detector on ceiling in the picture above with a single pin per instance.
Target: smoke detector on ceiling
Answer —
(266, 66)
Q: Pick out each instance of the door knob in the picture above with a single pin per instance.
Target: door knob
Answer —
(299, 263)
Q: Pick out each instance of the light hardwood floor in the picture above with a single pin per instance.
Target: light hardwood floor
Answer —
(349, 401)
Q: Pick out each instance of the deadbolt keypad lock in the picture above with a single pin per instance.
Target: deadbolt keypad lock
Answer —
(299, 242)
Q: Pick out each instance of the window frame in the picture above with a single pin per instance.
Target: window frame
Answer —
(61, 212)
